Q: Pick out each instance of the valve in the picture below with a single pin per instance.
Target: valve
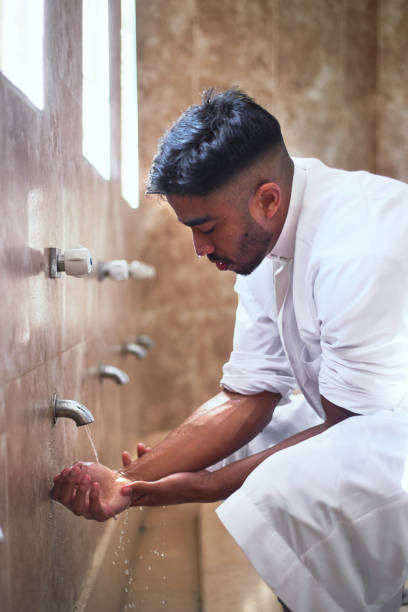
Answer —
(138, 269)
(117, 269)
(74, 262)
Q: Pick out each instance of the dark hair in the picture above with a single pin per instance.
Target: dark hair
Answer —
(211, 142)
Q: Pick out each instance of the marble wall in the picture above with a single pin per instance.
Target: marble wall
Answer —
(392, 89)
(55, 332)
(333, 71)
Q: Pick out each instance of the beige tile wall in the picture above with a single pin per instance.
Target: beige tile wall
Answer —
(333, 72)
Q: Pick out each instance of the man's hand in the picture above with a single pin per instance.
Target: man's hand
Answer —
(180, 488)
(142, 449)
(91, 490)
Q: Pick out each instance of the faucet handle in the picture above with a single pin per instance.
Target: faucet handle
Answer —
(74, 262)
(138, 269)
(117, 269)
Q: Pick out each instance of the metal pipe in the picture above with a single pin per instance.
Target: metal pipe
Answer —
(119, 376)
(145, 341)
(70, 409)
(135, 349)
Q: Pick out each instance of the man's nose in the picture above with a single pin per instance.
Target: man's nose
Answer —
(202, 244)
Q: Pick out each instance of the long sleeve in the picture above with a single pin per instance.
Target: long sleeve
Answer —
(258, 361)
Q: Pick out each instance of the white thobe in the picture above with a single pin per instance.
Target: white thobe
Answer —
(325, 522)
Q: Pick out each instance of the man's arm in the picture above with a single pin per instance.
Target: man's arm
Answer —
(215, 430)
(231, 478)
(205, 486)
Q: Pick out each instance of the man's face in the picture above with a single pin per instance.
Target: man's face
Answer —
(224, 229)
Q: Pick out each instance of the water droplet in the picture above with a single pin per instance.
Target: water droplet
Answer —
(149, 567)
(162, 555)
(126, 572)
(113, 562)
(146, 587)
(126, 589)
(126, 561)
(163, 602)
(140, 556)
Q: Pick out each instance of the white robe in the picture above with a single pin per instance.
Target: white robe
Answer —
(325, 522)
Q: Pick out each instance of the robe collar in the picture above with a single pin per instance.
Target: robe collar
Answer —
(284, 249)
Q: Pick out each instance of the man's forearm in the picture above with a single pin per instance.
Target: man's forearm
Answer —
(229, 479)
(215, 430)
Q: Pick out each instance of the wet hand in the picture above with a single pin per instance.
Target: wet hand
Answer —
(91, 490)
(180, 488)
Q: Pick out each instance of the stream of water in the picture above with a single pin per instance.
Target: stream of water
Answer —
(88, 433)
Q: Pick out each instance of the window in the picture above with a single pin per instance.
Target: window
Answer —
(21, 46)
(129, 110)
(95, 85)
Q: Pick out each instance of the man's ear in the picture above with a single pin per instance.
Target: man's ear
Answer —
(265, 202)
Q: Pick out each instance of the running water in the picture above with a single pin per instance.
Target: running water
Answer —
(88, 433)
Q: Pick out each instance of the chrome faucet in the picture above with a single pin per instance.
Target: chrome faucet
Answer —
(135, 349)
(145, 341)
(70, 409)
(119, 376)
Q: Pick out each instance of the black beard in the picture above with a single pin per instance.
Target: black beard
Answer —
(253, 248)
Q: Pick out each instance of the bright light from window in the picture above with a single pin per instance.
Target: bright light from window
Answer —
(129, 111)
(21, 36)
(95, 85)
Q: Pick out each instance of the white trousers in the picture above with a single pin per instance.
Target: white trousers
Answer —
(325, 522)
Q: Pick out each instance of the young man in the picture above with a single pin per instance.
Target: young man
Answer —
(316, 485)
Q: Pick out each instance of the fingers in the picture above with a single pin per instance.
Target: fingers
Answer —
(143, 493)
(59, 480)
(65, 485)
(80, 501)
(126, 458)
(71, 488)
(142, 449)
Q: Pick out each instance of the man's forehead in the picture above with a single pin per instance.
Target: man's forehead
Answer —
(197, 220)
(195, 210)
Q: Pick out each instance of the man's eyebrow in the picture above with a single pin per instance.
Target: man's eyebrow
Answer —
(197, 221)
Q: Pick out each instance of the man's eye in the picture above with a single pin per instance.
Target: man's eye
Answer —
(208, 231)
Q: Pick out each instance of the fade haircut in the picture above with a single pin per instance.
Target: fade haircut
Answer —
(212, 142)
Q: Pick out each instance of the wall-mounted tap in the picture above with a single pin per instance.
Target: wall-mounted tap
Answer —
(134, 349)
(70, 409)
(145, 341)
(74, 262)
(117, 269)
(138, 269)
(119, 376)
(120, 269)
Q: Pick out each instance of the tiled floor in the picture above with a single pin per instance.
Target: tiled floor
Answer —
(165, 574)
(187, 562)
(229, 582)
